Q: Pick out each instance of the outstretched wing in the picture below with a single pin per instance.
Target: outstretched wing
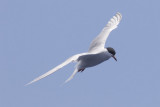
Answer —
(73, 58)
(99, 42)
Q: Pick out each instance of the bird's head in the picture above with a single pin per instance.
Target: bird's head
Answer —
(112, 52)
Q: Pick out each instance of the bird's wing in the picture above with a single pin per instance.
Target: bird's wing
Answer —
(99, 42)
(73, 58)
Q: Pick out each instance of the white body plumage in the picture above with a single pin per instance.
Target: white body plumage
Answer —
(97, 52)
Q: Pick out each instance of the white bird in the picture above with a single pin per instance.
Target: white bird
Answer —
(97, 52)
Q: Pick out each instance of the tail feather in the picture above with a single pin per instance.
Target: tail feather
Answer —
(71, 77)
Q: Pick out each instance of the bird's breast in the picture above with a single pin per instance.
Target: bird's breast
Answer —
(92, 59)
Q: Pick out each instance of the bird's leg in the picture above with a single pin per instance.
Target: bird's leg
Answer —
(81, 70)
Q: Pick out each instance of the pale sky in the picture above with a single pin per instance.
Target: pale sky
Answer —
(37, 35)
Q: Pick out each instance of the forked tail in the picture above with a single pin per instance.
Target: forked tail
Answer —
(73, 74)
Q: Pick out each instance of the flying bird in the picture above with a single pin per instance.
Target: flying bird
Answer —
(96, 54)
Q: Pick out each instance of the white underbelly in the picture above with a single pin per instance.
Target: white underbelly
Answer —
(92, 59)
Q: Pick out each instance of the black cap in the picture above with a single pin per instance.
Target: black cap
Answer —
(111, 50)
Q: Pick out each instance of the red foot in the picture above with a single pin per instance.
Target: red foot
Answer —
(81, 70)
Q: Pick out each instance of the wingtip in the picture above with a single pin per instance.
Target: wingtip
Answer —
(31, 82)
(28, 83)
(114, 21)
(119, 14)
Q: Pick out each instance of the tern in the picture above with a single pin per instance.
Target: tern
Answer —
(96, 54)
